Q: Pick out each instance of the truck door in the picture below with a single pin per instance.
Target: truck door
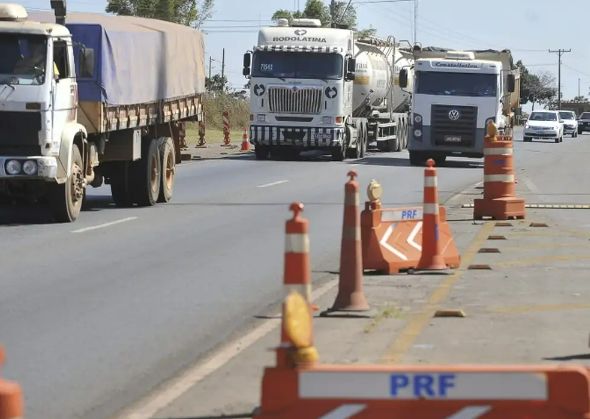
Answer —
(65, 87)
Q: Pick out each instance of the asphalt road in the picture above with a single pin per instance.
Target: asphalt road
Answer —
(96, 313)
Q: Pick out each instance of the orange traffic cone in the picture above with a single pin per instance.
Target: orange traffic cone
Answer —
(297, 270)
(431, 259)
(11, 397)
(245, 142)
(351, 300)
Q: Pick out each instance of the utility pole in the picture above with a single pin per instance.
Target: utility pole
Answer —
(415, 21)
(223, 64)
(559, 53)
(333, 13)
(210, 64)
(579, 80)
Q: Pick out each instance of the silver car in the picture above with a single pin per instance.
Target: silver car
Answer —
(545, 125)
(570, 123)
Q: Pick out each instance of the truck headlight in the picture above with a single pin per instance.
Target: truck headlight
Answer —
(327, 120)
(261, 118)
(13, 167)
(418, 133)
(417, 119)
(30, 167)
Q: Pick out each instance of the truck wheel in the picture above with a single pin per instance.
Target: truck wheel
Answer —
(66, 199)
(364, 135)
(168, 165)
(121, 184)
(261, 152)
(147, 174)
(527, 139)
(580, 131)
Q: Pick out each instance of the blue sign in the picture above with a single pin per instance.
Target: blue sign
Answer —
(422, 385)
(410, 214)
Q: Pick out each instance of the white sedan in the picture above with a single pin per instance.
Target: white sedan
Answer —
(545, 125)
(570, 123)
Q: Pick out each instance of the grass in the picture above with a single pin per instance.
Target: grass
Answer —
(239, 117)
(386, 312)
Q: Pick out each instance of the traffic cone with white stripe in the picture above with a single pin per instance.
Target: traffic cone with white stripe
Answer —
(11, 397)
(431, 259)
(351, 300)
(297, 271)
(245, 142)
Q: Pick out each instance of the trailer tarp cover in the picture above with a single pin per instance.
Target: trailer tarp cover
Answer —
(137, 60)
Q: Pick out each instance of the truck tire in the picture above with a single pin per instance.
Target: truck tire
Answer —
(364, 136)
(168, 168)
(66, 199)
(121, 184)
(400, 136)
(146, 171)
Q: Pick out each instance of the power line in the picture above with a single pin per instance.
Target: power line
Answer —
(559, 53)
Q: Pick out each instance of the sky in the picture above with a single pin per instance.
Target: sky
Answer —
(529, 30)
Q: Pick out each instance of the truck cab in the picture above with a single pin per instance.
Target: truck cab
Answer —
(38, 101)
(454, 97)
(301, 78)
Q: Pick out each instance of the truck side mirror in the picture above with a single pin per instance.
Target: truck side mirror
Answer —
(247, 63)
(86, 63)
(403, 78)
(351, 65)
(511, 83)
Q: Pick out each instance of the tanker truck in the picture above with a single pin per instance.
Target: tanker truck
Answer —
(315, 88)
(455, 95)
(80, 107)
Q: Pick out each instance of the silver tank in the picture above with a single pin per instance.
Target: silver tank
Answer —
(373, 73)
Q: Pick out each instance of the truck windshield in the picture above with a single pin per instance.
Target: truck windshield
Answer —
(585, 115)
(23, 58)
(300, 65)
(456, 84)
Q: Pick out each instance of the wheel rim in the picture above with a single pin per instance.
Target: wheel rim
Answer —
(169, 171)
(77, 184)
(154, 173)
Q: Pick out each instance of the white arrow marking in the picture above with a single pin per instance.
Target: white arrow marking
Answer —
(384, 243)
(345, 411)
(470, 412)
(415, 232)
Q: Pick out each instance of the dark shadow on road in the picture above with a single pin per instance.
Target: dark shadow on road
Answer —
(579, 357)
(405, 162)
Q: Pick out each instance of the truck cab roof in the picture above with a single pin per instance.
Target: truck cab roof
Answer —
(15, 19)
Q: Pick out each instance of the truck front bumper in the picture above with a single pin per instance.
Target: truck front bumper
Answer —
(425, 144)
(303, 137)
(46, 167)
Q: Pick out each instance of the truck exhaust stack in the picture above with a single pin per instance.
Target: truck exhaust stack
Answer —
(59, 8)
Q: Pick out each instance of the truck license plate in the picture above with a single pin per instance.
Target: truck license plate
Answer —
(321, 136)
(452, 139)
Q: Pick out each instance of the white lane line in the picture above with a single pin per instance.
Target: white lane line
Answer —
(112, 223)
(266, 185)
(533, 188)
(148, 408)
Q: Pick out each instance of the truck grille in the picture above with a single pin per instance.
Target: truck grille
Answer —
(289, 100)
(19, 131)
(450, 132)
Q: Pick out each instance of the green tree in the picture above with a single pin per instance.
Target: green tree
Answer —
(536, 88)
(316, 9)
(580, 99)
(185, 12)
(217, 84)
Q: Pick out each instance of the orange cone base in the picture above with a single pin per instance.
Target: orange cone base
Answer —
(499, 209)
(379, 257)
(245, 146)
(349, 305)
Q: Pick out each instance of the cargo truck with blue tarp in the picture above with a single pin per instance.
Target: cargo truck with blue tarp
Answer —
(87, 99)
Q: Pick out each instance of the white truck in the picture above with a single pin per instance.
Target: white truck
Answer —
(80, 107)
(315, 88)
(455, 95)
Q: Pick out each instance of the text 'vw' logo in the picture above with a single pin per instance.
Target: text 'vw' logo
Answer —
(454, 114)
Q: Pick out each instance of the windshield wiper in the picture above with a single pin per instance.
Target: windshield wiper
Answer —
(268, 73)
